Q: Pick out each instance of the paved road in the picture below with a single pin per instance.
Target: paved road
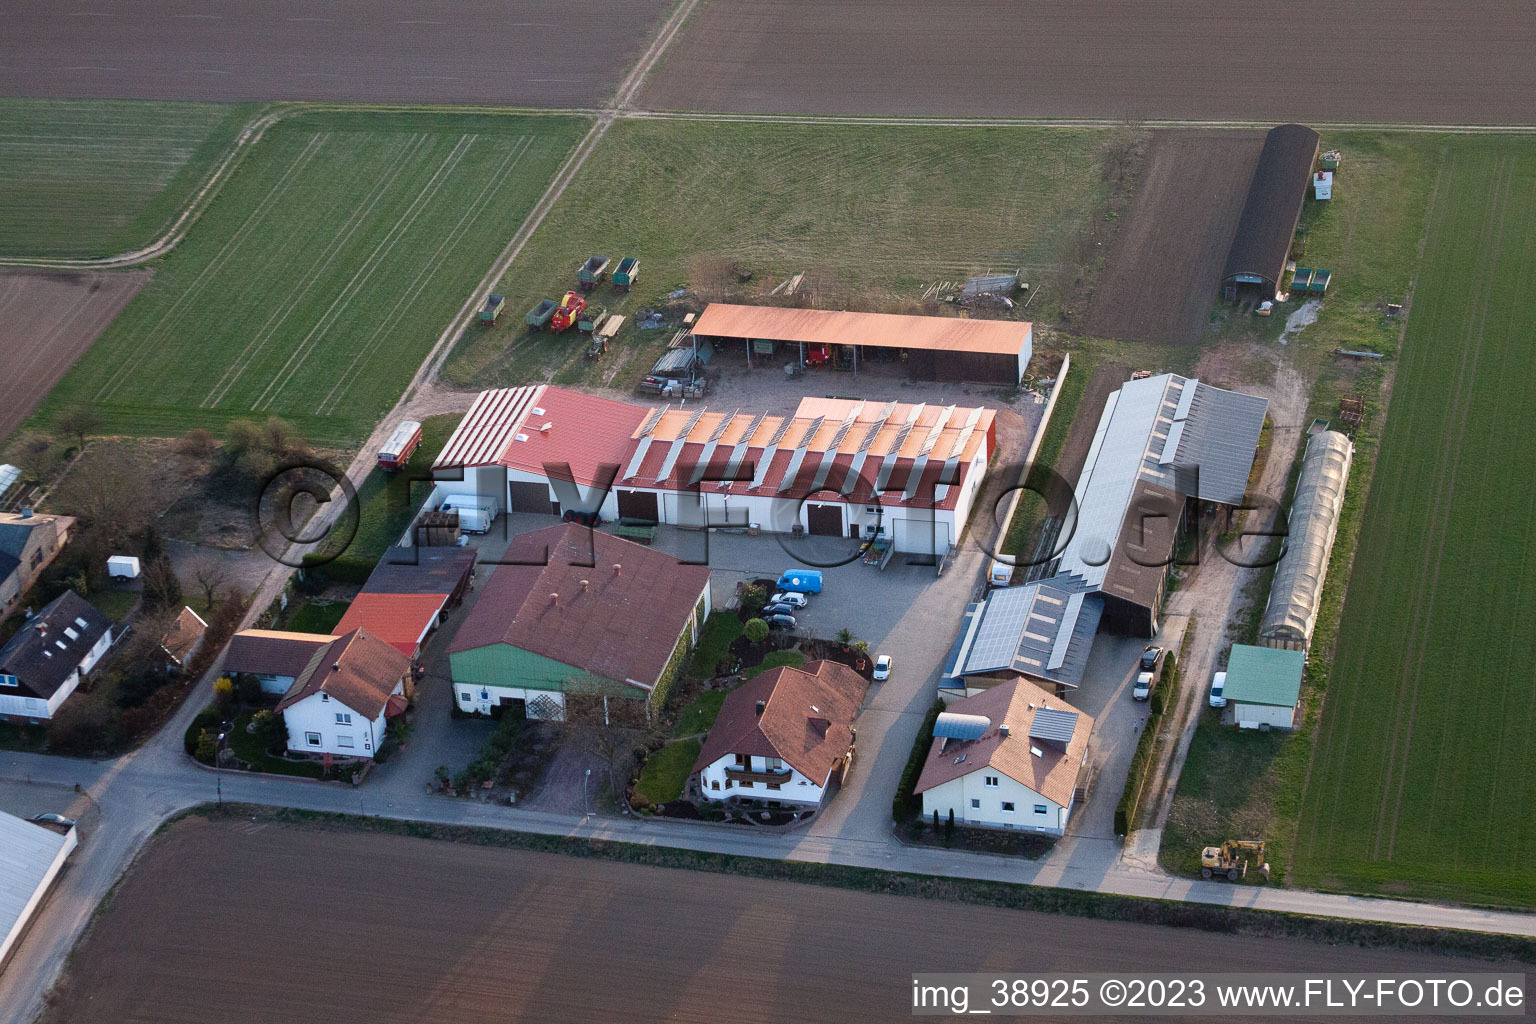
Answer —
(508, 53)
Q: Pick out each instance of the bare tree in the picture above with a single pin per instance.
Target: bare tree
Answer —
(210, 574)
(111, 488)
(79, 421)
(35, 455)
(610, 729)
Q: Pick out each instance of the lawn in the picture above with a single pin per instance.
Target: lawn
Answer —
(320, 277)
(317, 617)
(101, 177)
(388, 501)
(871, 215)
(1424, 774)
(250, 750)
(666, 771)
(778, 659)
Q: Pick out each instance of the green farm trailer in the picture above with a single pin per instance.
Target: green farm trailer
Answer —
(539, 316)
(492, 308)
(591, 273)
(627, 273)
(591, 318)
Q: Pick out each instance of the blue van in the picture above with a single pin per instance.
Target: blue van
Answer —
(805, 581)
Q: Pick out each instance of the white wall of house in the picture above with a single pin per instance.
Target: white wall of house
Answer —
(983, 798)
(715, 784)
(481, 700)
(275, 685)
(321, 724)
(16, 706)
(1251, 716)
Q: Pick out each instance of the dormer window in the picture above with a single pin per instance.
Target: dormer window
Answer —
(324, 697)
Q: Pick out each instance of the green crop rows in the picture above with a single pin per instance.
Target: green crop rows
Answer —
(1424, 771)
(96, 178)
(321, 275)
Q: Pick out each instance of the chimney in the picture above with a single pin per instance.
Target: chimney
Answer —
(1002, 730)
(335, 666)
(554, 600)
(584, 585)
(761, 706)
(618, 568)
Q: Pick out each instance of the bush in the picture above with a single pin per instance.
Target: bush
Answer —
(208, 718)
(752, 599)
(224, 692)
(905, 805)
(135, 688)
(270, 729)
(207, 748)
(83, 727)
(755, 630)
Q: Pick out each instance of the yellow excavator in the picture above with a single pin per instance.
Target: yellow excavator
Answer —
(1228, 860)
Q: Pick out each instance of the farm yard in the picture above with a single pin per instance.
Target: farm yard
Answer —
(321, 275)
(871, 216)
(47, 319)
(94, 178)
(1423, 773)
(1377, 61)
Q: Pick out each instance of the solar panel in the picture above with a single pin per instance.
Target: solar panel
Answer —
(1053, 725)
(847, 425)
(725, 423)
(951, 725)
(1002, 624)
(935, 430)
(651, 419)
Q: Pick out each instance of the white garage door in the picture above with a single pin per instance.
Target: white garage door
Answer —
(921, 536)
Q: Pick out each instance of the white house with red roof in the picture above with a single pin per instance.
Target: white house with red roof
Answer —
(841, 467)
(342, 699)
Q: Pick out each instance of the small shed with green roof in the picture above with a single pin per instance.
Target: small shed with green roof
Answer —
(1264, 686)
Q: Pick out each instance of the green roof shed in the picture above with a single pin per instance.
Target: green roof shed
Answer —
(1264, 675)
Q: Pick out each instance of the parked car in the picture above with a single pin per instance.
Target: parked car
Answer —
(779, 608)
(780, 621)
(882, 668)
(1151, 666)
(793, 597)
(54, 819)
(1001, 573)
(1218, 689)
(806, 581)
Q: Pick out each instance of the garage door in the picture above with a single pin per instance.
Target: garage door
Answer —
(638, 505)
(921, 536)
(825, 520)
(529, 497)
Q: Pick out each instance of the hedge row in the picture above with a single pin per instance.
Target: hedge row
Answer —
(906, 804)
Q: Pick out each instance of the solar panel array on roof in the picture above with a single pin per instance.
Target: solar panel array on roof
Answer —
(952, 726)
(1002, 623)
(1053, 725)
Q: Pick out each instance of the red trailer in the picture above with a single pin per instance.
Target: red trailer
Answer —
(401, 444)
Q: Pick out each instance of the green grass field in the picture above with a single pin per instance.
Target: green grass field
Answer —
(100, 177)
(322, 274)
(870, 215)
(1424, 772)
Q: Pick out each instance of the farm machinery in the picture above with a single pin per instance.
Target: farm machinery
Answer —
(492, 308)
(539, 316)
(1229, 861)
(591, 273)
(626, 273)
(568, 313)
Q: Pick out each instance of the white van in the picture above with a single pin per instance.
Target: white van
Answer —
(1001, 573)
(475, 516)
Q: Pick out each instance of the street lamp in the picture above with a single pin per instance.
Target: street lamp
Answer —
(584, 802)
(217, 769)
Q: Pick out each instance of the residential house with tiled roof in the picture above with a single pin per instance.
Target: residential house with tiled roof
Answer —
(407, 593)
(571, 610)
(782, 736)
(274, 656)
(340, 701)
(28, 542)
(44, 662)
(1009, 757)
(183, 638)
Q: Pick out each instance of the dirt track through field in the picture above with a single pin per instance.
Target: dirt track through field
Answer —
(47, 320)
(251, 922)
(1164, 267)
(1420, 61)
(516, 53)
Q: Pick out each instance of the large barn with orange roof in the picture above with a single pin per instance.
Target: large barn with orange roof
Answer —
(836, 466)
